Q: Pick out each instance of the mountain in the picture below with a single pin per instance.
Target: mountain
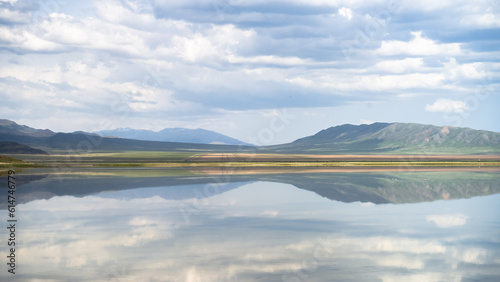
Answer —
(377, 138)
(74, 143)
(12, 128)
(200, 136)
(182, 135)
(394, 138)
(16, 148)
(53, 142)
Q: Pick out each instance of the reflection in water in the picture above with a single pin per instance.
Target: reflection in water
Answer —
(378, 187)
(254, 230)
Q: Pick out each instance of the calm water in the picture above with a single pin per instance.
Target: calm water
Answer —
(178, 225)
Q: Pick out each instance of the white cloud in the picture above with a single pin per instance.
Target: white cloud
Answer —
(455, 71)
(401, 66)
(246, 59)
(447, 221)
(290, 61)
(345, 12)
(418, 46)
(7, 15)
(482, 20)
(377, 82)
(447, 106)
(301, 81)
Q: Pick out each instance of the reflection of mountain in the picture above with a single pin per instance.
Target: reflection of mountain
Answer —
(394, 187)
(21, 195)
(34, 187)
(375, 187)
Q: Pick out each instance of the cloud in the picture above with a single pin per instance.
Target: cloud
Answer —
(447, 221)
(183, 62)
(401, 66)
(447, 106)
(418, 46)
(345, 12)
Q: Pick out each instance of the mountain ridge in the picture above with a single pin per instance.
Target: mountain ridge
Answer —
(371, 139)
(12, 128)
(407, 138)
(176, 135)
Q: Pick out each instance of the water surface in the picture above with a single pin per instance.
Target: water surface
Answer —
(183, 225)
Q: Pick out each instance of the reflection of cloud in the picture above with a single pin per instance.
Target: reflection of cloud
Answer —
(434, 276)
(150, 237)
(271, 213)
(447, 221)
(401, 261)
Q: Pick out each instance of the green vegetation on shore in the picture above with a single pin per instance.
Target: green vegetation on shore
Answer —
(183, 159)
(307, 164)
(8, 162)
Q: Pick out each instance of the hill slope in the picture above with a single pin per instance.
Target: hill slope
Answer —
(82, 143)
(12, 128)
(394, 138)
(86, 142)
(200, 136)
(16, 148)
(377, 138)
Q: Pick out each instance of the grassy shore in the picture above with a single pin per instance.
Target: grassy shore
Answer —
(9, 162)
(305, 164)
(176, 159)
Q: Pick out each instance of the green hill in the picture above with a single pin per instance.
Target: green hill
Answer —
(377, 138)
(394, 138)
(8, 161)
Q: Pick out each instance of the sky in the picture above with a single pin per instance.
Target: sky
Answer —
(265, 72)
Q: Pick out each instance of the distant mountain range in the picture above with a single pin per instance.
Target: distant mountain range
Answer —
(377, 138)
(48, 140)
(185, 135)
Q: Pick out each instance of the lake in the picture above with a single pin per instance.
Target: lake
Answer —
(255, 225)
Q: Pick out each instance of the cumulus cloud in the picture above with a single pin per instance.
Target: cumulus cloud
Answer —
(447, 106)
(176, 58)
